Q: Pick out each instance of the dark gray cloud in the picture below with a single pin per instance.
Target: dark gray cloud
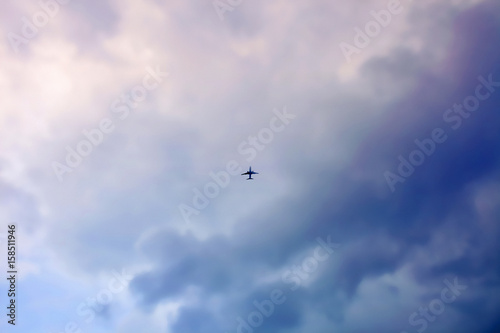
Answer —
(382, 232)
(322, 176)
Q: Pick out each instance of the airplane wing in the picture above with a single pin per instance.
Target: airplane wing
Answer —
(246, 173)
(255, 173)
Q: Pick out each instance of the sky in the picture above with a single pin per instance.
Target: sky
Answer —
(373, 126)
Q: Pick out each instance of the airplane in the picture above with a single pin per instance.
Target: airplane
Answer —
(250, 173)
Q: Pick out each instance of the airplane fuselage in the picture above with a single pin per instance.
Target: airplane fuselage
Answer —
(250, 173)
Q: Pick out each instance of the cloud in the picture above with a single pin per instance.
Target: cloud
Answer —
(323, 175)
